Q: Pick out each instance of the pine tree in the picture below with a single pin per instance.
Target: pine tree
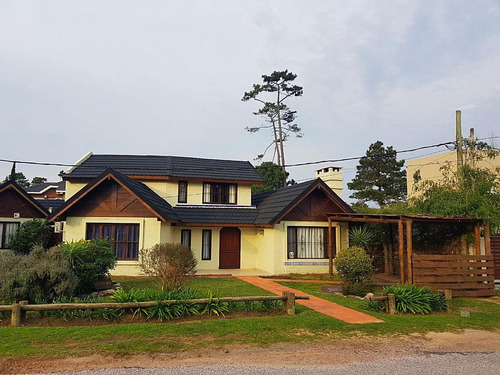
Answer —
(379, 177)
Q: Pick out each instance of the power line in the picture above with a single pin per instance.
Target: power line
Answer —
(229, 169)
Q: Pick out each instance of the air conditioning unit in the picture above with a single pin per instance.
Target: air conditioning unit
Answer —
(59, 226)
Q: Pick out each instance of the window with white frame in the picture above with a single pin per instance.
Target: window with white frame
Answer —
(216, 193)
(7, 230)
(206, 244)
(308, 242)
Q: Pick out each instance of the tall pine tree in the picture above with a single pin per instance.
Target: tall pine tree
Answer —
(379, 177)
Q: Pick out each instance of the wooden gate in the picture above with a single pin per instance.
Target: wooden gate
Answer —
(465, 275)
(495, 251)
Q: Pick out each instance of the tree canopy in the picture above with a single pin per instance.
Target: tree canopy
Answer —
(38, 180)
(279, 117)
(379, 177)
(19, 178)
(274, 176)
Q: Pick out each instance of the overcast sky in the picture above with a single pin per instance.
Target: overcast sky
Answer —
(167, 77)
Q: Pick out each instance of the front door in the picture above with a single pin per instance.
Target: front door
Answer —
(230, 241)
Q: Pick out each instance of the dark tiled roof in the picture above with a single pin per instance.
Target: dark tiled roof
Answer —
(51, 205)
(216, 215)
(272, 203)
(148, 196)
(172, 166)
(38, 188)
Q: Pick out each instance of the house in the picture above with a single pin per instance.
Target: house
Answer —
(47, 190)
(138, 201)
(429, 167)
(16, 207)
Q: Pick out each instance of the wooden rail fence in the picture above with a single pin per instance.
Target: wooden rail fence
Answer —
(18, 310)
(465, 275)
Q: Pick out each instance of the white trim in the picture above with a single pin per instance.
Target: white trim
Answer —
(79, 161)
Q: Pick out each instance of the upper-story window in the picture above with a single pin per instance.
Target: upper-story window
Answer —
(219, 193)
(183, 192)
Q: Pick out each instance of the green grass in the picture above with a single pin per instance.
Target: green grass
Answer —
(223, 286)
(174, 336)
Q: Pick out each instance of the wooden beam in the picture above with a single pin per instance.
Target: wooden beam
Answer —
(401, 251)
(363, 220)
(409, 251)
(330, 248)
(477, 239)
(487, 240)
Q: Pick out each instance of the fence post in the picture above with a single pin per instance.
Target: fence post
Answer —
(391, 299)
(15, 319)
(289, 303)
(447, 297)
(23, 311)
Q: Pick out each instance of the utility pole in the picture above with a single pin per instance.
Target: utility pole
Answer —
(458, 139)
(472, 149)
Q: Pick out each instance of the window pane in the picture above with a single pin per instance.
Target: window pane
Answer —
(182, 196)
(107, 231)
(10, 230)
(307, 242)
(206, 193)
(124, 238)
(206, 245)
(186, 237)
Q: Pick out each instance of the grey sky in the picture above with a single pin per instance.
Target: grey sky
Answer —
(165, 77)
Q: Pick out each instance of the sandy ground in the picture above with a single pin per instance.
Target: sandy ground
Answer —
(336, 352)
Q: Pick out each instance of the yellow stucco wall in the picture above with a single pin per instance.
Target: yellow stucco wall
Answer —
(429, 167)
(150, 231)
(72, 188)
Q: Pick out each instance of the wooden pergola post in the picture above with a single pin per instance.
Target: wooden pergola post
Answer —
(330, 248)
(409, 251)
(477, 239)
(487, 240)
(401, 238)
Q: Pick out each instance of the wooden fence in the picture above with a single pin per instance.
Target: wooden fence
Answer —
(495, 251)
(465, 275)
(18, 310)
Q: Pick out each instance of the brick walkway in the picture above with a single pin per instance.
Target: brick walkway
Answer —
(318, 304)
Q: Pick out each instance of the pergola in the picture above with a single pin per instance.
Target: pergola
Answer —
(404, 223)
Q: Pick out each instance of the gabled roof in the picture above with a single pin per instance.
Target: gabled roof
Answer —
(14, 186)
(211, 215)
(167, 166)
(160, 207)
(51, 205)
(43, 187)
(273, 205)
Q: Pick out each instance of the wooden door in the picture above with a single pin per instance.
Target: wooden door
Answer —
(230, 248)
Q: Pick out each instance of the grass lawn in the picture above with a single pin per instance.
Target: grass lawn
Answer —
(172, 336)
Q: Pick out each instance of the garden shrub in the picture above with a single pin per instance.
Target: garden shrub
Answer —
(172, 263)
(416, 300)
(91, 261)
(31, 233)
(357, 289)
(40, 276)
(354, 265)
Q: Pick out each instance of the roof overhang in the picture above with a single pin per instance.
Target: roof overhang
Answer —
(394, 219)
(22, 192)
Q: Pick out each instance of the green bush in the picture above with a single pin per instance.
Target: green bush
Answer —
(91, 261)
(354, 265)
(172, 263)
(416, 300)
(31, 233)
(40, 276)
(357, 289)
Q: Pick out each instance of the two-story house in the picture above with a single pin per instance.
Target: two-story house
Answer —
(137, 201)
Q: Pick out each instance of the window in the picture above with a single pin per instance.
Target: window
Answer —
(206, 245)
(124, 238)
(219, 193)
(186, 237)
(7, 230)
(308, 243)
(183, 189)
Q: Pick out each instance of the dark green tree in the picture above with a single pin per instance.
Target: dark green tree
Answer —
(276, 88)
(274, 176)
(38, 180)
(379, 177)
(19, 178)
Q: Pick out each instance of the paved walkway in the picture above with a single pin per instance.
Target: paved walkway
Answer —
(315, 303)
